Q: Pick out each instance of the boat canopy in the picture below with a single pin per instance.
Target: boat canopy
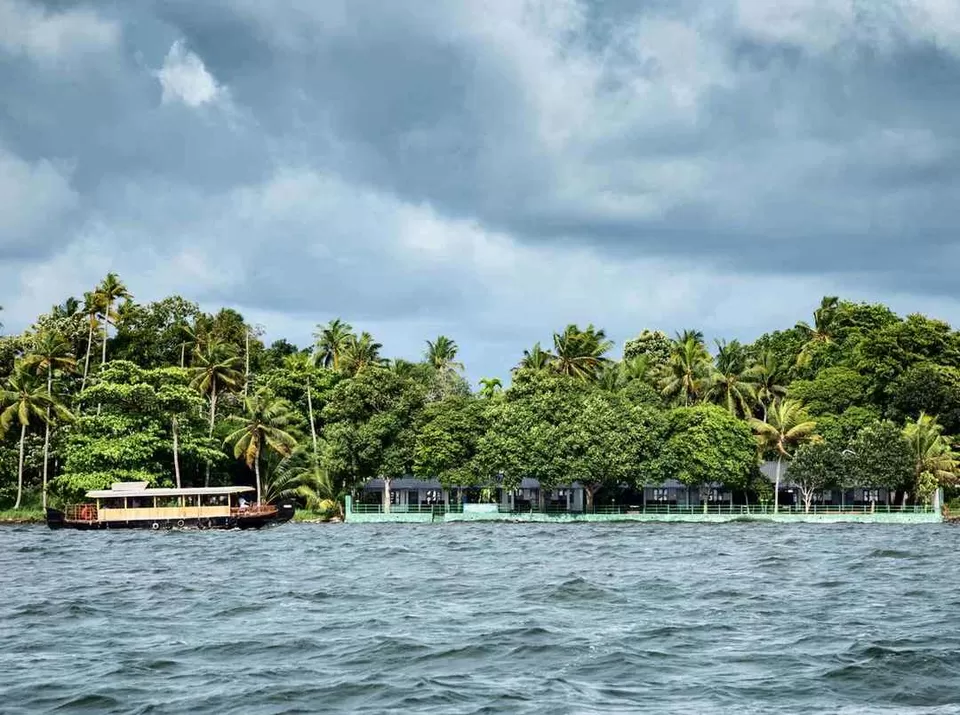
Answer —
(141, 490)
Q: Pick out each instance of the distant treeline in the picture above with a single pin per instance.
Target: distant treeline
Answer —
(103, 389)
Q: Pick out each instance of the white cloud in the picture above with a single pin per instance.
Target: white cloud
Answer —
(34, 197)
(829, 25)
(184, 78)
(50, 36)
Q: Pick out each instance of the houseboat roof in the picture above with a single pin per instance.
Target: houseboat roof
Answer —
(140, 491)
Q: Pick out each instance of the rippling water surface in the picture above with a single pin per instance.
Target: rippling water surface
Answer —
(744, 618)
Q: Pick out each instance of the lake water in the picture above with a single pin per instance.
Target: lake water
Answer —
(485, 618)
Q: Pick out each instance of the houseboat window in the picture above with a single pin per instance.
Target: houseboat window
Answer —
(191, 500)
(214, 499)
(168, 502)
(112, 503)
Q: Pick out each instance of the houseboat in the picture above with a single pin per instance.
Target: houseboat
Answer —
(133, 505)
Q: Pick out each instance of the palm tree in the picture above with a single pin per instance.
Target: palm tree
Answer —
(193, 339)
(67, 309)
(264, 424)
(489, 387)
(24, 398)
(51, 353)
(360, 353)
(92, 308)
(303, 364)
(217, 368)
(822, 331)
(331, 342)
(728, 384)
(405, 368)
(299, 475)
(110, 290)
(788, 427)
(687, 370)
(580, 353)
(636, 368)
(766, 374)
(535, 359)
(441, 354)
(932, 453)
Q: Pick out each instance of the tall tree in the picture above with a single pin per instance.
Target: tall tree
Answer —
(92, 308)
(935, 462)
(654, 345)
(441, 354)
(767, 376)
(728, 385)
(264, 424)
(51, 353)
(536, 358)
(216, 368)
(110, 290)
(787, 427)
(821, 332)
(360, 353)
(705, 446)
(687, 369)
(24, 399)
(331, 342)
(580, 353)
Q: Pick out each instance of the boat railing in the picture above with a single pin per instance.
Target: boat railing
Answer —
(81, 512)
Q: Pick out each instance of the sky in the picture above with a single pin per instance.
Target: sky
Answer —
(491, 170)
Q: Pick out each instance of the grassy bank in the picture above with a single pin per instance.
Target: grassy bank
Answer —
(21, 516)
(313, 517)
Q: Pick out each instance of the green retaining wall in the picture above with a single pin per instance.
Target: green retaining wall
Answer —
(693, 518)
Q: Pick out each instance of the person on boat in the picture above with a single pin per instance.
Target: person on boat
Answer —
(243, 503)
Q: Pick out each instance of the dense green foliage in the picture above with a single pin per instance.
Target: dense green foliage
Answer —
(103, 388)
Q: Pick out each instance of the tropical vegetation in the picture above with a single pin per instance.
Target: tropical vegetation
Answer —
(179, 396)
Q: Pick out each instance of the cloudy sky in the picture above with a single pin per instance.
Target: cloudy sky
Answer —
(487, 169)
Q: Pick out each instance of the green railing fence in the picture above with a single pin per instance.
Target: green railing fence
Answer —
(627, 509)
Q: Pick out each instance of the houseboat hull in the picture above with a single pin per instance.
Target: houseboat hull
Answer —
(58, 520)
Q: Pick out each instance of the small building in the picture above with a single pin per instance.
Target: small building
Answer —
(406, 493)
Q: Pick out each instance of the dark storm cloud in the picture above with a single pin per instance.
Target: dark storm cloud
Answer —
(443, 162)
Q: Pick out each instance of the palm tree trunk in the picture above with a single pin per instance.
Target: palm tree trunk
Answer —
(183, 355)
(175, 428)
(46, 435)
(313, 427)
(256, 471)
(86, 360)
(246, 358)
(23, 439)
(213, 416)
(213, 404)
(776, 488)
(106, 329)
(106, 333)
